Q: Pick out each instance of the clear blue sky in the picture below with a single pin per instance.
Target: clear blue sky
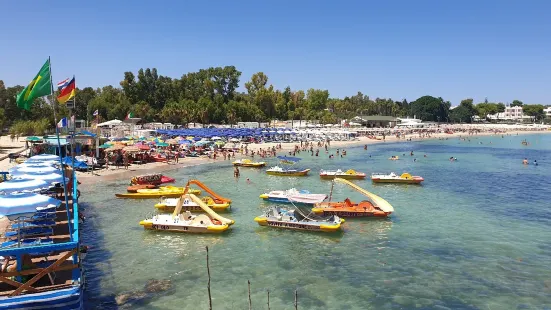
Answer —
(399, 49)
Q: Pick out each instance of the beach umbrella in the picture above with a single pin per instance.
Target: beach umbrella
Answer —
(131, 149)
(216, 138)
(19, 185)
(105, 146)
(184, 142)
(42, 157)
(115, 147)
(234, 140)
(143, 147)
(162, 144)
(79, 164)
(172, 141)
(17, 170)
(33, 139)
(46, 176)
(15, 205)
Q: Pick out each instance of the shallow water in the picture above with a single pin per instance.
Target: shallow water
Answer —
(475, 235)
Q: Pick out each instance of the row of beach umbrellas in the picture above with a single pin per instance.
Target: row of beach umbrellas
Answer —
(19, 196)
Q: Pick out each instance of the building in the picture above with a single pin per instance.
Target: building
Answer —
(510, 114)
(547, 112)
(376, 121)
(513, 113)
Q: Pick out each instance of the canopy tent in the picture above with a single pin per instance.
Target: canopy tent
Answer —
(110, 123)
(78, 163)
(33, 139)
(18, 185)
(19, 204)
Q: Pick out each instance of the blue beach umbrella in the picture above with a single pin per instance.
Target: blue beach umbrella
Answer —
(19, 185)
(20, 204)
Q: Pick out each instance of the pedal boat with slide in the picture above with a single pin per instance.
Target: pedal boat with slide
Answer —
(375, 206)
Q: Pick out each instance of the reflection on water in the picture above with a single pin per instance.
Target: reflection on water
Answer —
(475, 235)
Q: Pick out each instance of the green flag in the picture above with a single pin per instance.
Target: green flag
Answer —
(40, 86)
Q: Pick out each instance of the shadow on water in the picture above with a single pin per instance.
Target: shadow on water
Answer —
(99, 271)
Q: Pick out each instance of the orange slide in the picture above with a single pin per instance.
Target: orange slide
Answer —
(208, 190)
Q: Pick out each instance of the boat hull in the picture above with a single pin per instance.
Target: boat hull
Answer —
(262, 221)
(193, 208)
(211, 229)
(251, 165)
(342, 176)
(343, 209)
(397, 181)
(289, 200)
(289, 174)
(69, 298)
(159, 194)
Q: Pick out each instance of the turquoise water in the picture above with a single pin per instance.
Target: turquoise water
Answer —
(476, 235)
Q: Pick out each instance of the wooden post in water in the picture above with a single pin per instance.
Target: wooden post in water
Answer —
(268, 299)
(208, 272)
(250, 303)
(296, 299)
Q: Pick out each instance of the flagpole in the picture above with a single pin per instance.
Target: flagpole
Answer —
(73, 120)
(60, 157)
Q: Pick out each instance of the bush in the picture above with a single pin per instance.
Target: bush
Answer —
(30, 128)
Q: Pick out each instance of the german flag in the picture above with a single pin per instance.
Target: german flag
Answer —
(67, 92)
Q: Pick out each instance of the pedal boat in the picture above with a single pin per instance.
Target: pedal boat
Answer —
(374, 207)
(291, 219)
(249, 163)
(187, 222)
(287, 172)
(169, 204)
(154, 179)
(405, 178)
(348, 174)
(294, 196)
(163, 191)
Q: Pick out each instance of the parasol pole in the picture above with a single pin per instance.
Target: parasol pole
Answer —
(60, 157)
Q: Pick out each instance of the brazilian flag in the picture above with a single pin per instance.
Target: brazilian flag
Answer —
(40, 86)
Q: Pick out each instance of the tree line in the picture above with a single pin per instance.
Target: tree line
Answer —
(211, 96)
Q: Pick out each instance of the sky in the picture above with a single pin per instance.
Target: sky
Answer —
(401, 49)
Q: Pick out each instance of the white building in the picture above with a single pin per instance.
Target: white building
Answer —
(510, 114)
(547, 112)
(513, 112)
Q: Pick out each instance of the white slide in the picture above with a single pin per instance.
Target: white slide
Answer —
(209, 211)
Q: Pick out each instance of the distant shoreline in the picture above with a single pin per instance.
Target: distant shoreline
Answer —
(121, 173)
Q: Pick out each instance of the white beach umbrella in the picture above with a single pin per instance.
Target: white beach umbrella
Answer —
(216, 138)
(33, 169)
(19, 204)
(19, 185)
(42, 157)
(48, 177)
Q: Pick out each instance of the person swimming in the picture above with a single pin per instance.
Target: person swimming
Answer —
(525, 161)
(535, 162)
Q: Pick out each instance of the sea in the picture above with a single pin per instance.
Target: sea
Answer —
(475, 235)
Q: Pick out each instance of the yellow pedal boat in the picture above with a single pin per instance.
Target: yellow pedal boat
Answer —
(163, 191)
(168, 204)
(249, 163)
(186, 222)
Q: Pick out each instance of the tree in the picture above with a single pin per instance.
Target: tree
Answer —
(500, 107)
(258, 82)
(534, 110)
(429, 108)
(516, 103)
(485, 109)
(316, 99)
